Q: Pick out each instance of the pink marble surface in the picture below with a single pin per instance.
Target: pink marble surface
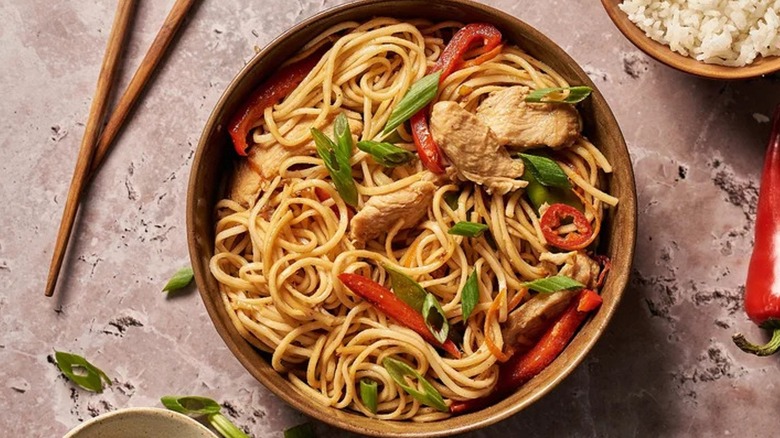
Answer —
(665, 367)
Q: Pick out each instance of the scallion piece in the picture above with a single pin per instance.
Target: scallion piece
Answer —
(435, 318)
(336, 156)
(400, 371)
(79, 371)
(421, 93)
(408, 290)
(386, 154)
(300, 431)
(180, 280)
(546, 171)
(468, 229)
(552, 284)
(558, 95)
(451, 198)
(368, 394)
(469, 296)
(196, 406)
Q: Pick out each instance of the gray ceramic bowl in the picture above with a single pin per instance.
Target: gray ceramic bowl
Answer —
(141, 423)
(212, 165)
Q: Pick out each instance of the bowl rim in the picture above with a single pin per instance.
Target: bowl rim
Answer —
(662, 53)
(139, 412)
(321, 413)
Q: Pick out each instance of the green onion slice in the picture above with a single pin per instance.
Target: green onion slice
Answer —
(435, 318)
(400, 371)
(451, 198)
(225, 427)
(468, 229)
(386, 154)
(81, 372)
(421, 93)
(408, 290)
(336, 159)
(190, 404)
(546, 171)
(180, 279)
(469, 296)
(300, 431)
(559, 95)
(368, 394)
(552, 284)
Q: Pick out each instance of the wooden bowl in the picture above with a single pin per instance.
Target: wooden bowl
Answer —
(215, 154)
(662, 53)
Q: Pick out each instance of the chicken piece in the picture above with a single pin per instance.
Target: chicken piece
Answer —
(583, 269)
(474, 150)
(527, 125)
(526, 324)
(382, 212)
(264, 159)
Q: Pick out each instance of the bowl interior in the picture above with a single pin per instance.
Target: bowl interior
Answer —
(662, 53)
(141, 423)
(212, 165)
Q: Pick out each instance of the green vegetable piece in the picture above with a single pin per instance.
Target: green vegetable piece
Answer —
(190, 404)
(435, 319)
(336, 157)
(576, 95)
(180, 280)
(79, 371)
(468, 229)
(539, 194)
(469, 297)
(368, 394)
(225, 427)
(546, 171)
(300, 431)
(552, 284)
(400, 371)
(451, 198)
(386, 154)
(408, 290)
(421, 93)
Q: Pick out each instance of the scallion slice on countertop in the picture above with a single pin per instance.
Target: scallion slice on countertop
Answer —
(408, 290)
(468, 229)
(546, 171)
(196, 406)
(79, 371)
(368, 394)
(469, 296)
(335, 156)
(400, 371)
(303, 430)
(559, 95)
(421, 93)
(552, 284)
(180, 280)
(386, 154)
(435, 318)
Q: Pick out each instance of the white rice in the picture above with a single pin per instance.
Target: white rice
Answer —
(727, 32)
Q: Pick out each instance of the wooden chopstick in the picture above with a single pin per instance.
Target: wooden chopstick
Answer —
(116, 40)
(141, 77)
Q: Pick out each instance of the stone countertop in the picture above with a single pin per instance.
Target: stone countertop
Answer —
(665, 367)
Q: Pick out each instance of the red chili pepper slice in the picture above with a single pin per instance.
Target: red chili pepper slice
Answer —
(450, 60)
(522, 368)
(762, 288)
(278, 86)
(554, 217)
(386, 301)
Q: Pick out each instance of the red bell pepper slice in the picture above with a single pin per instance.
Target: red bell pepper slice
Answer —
(450, 60)
(523, 367)
(278, 86)
(392, 306)
(762, 288)
(553, 218)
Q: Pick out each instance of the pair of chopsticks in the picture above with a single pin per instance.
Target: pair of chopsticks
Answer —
(95, 145)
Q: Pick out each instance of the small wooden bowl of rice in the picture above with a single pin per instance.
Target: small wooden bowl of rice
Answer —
(212, 168)
(739, 41)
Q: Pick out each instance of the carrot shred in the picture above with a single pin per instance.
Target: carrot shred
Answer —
(517, 299)
(491, 314)
(483, 58)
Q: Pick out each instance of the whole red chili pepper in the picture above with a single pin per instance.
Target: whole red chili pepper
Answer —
(762, 288)
(521, 368)
(279, 85)
(392, 306)
(553, 218)
(451, 59)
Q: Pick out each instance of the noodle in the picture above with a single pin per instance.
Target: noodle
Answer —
(277, 259)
